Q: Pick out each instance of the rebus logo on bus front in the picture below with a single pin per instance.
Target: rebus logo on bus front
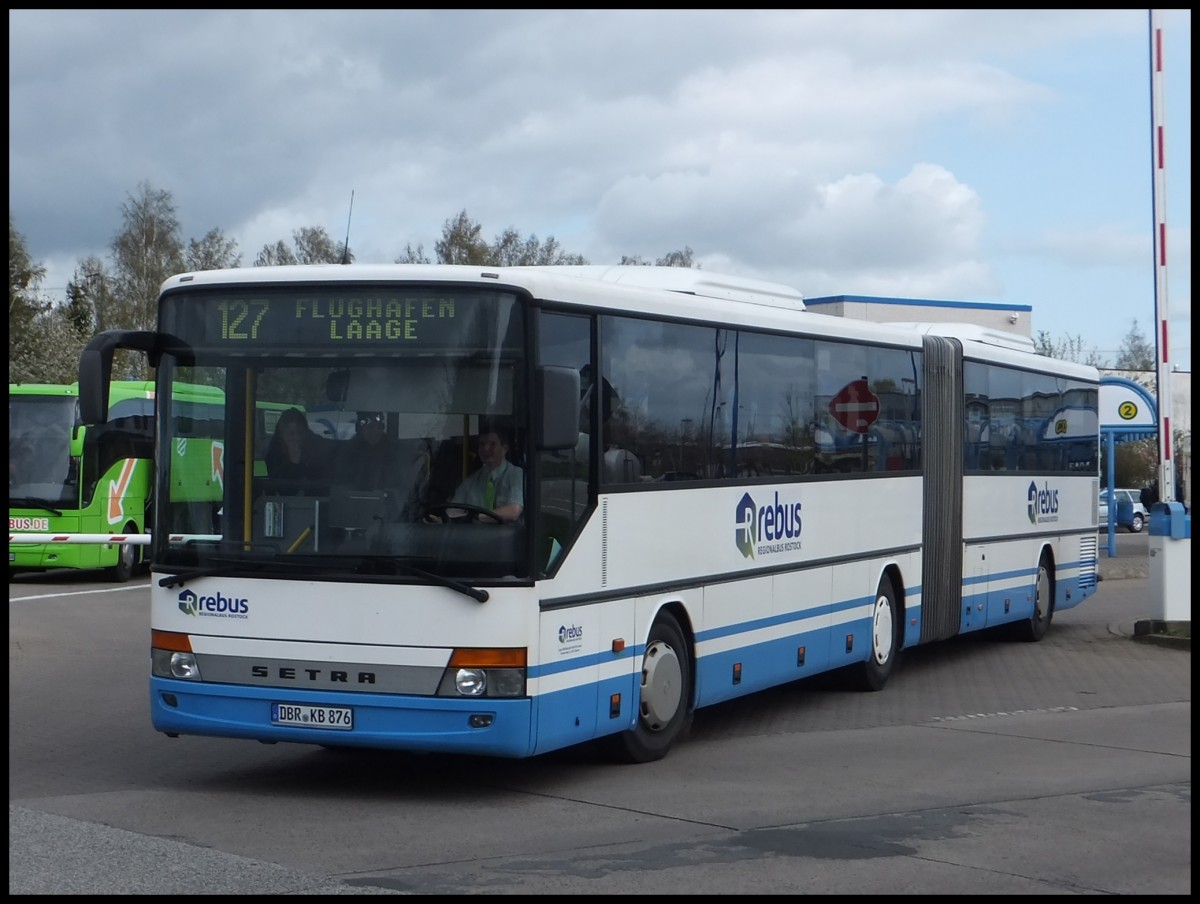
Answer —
(777, 524)
(220, 605)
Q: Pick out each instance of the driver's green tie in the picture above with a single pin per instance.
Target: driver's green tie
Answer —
(489, 492)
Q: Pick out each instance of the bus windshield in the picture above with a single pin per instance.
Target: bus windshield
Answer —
(350, 435)
(40, 467)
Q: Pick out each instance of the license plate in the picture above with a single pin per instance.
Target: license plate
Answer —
(301, 715)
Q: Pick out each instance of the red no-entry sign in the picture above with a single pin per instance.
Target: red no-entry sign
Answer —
(855, 407)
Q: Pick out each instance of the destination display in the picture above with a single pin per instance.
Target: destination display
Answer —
(341, 317)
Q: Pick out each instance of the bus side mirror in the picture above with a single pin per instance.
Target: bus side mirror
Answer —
(95, 368)
(557, 393)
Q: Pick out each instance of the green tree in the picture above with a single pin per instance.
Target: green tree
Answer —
(461, 243)
(310, 245)
(1136, 352)
(51, 351)
(510, 250)
(213, 252)
(277, 255)
(25, 303)
(90, 295)
(682, 258)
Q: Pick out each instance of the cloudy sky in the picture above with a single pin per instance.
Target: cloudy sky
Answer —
(993, 156)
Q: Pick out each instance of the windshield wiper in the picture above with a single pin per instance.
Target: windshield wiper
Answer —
(224, 570)
(369, 565)
(474, 593)
(30, 502)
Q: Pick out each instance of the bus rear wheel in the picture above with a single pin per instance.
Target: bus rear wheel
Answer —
(1035, 628)
(126, 560)
(873, 674)
(664, 701)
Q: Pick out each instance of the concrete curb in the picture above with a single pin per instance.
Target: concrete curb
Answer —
(1164, 633)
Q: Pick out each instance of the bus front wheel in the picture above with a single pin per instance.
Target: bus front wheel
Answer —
(665, 697)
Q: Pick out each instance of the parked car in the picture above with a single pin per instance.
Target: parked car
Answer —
(1131, 514)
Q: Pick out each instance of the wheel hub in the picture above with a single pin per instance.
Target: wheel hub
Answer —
(662, 685)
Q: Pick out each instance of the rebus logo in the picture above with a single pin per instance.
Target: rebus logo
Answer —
(220, 606)
(772, 528)
(187, 603)
(570, 633)
(1042, 503)
(745, 535)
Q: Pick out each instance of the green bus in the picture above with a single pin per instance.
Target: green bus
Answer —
(89, 487)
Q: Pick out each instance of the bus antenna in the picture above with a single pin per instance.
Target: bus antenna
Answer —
(346, 246)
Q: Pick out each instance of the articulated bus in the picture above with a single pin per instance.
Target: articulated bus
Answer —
(94, 483)
(723, 492)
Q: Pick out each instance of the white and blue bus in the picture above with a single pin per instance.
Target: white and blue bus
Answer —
(723, 492)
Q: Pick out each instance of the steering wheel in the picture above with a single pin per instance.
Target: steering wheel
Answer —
(463, 512)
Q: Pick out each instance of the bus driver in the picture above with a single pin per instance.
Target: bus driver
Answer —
(498, 485)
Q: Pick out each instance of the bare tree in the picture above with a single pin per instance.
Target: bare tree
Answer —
(1068, 348)
(412, 255)
(144, 253)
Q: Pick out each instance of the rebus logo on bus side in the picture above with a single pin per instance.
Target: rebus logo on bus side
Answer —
(1042, 503)
(777, 524)
(570, 633)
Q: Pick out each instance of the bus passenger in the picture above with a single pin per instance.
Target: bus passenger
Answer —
(370, 460)
(498, 485)
(295, 451)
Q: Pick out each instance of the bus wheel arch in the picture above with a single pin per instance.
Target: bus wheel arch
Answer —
(886, 634)
(665, 701)
(127, 559)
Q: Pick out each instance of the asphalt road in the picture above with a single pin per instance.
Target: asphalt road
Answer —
(985, 767)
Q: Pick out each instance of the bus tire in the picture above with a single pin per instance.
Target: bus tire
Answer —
(1035, 627)
(127, 556)
(664, 699)
(886, 619)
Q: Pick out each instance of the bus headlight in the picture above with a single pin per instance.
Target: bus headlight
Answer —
(470, 682)
(173, 664)
(484, 673)
(475, 682)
